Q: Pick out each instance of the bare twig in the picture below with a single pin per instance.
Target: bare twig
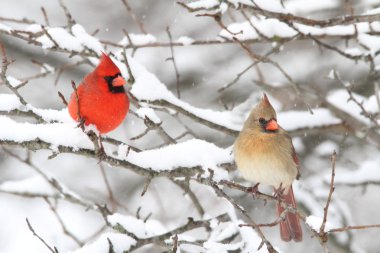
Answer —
(322, 233)
(139, 23)
(174, 62)
(53, 250)
(63, 225)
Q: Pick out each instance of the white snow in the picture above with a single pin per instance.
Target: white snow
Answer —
(34, 185)
(275, 28)
(326, 148)
(370, 41)
(9, 102)
(354, 51)
(136, 226)
(291, 120)
(217, 247)
(269, 5)
(339, 98)
(62, 37)
(5, 28)
(186, 41)
(13, 81)
(298, 6)
(148, 112)
(190, 153)
(204, 4)
(65, 134)
(120, 242)
(147, 87)
(368, 172)
(269, 27)
(33, 28)
(372, 12)
(138, 39)
(316, 222)
(85, 39)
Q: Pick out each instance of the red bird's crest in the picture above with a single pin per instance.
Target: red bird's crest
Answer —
(106, 66)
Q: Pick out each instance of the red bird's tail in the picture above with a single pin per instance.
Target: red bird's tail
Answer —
(290, 228)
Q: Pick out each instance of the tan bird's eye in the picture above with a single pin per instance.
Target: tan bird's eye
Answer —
(262, 121)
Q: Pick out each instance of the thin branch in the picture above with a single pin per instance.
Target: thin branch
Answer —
(322, 232)
(53, 250)
(63, 226)
(139, 23)
(174, 62)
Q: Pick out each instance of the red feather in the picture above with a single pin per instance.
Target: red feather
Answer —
(98, 105)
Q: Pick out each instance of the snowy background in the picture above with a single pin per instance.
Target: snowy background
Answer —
(166, 183)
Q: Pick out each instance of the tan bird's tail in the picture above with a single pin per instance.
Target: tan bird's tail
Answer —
(290, 228)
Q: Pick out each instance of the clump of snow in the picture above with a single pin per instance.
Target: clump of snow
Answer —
(136, 226)
(204, 4)
(34, 28)
(371, 42)
(62, 37)
(331, 74)
(217, 247)
(5, 28)
(85, 39)
(120, 242)
(340, 99)
(190, 153)
(292, 120)
(315, 223)
(372, 12)
(13, 81)
(34, 185)
(326, 148)
(9, 102)
(122, 151)
(147, 87)
(367, 172)
(354, 51)
(56, 133)
(269, 27)
(269, 5)
(298, 6)
(138, 39)
(148, 112)
(186, 41)
(47, 68)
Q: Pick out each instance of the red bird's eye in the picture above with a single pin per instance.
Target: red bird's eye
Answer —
(262, 121)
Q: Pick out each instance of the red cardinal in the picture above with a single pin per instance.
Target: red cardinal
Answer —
(264, 153)
(102, 98)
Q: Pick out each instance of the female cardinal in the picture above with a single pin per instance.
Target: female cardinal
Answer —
(101, 97)
(264, 153)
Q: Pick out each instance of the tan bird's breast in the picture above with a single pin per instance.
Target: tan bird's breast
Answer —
(265, 158)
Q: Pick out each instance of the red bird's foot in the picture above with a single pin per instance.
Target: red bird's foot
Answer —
(101, 154)
(81, 123)
(254, 189)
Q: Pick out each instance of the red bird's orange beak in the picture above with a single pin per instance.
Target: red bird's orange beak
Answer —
(271, 125)
(118, 81)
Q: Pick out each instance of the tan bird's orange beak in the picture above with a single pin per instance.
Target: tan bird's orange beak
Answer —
(272, 125)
